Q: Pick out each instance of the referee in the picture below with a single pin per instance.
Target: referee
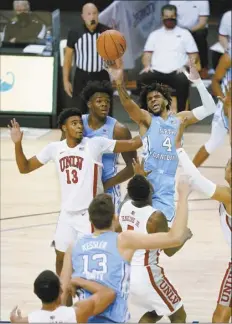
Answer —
(89, 65)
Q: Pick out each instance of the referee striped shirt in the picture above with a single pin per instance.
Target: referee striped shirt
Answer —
(84, 42)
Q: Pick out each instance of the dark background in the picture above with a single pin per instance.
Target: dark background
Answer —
(217, 6)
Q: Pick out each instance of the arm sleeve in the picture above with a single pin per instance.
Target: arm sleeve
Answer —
(72, 39)
(46, 154)
(198, 180)
(209, 107)
(190, 44)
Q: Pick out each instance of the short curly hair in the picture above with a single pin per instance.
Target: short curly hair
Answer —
(159, 87)
(66, 113)
(93, 87)
(138, 188)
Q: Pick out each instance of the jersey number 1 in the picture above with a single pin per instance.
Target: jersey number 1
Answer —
(71, 176)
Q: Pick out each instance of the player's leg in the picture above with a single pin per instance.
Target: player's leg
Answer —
(179, 316)
(222, 314)
(150, 317)
(223, 310)
(157, 298)
(218, 133)
(65, 234)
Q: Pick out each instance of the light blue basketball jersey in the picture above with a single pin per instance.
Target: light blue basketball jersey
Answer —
(224, 84)
(160, 156)
(97, 258)
(109, 160)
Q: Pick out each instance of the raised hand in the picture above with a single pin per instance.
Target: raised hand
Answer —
(193, 75)
(15, 132)
(188, 234)
(115, 69)
(138, 167)
(15, 315)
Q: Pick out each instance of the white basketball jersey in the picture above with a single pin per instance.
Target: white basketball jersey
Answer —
(226, 223)
(134, 218)
(79, 169)
(62, 314)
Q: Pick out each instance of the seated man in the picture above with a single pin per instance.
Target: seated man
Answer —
(24, 28)
(196, 23)
(166, 52)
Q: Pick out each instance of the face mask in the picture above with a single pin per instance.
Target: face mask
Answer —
(169, 23)
(23, 18)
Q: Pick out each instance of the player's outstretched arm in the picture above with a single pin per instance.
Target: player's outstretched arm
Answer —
(121, 132)
(177, 235)
(208, 105)
(102, 296)
(24, 165)
(128, 145)
(210, 189)
(137, 114)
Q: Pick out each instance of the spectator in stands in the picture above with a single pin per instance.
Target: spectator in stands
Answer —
(224, 37)
(166, 52)
(193, 15)
(89, 65)
(225, 30)
(24, 27)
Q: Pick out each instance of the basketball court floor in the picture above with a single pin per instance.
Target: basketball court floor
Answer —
(30, 208)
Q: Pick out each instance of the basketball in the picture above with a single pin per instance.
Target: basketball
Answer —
(111, 45)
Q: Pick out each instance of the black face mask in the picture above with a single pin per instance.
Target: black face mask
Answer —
(170, 23)
(23, 18)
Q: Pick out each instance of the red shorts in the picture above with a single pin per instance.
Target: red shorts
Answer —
(225, 295)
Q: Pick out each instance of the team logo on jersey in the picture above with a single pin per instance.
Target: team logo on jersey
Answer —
(52, 317)
(132, 213)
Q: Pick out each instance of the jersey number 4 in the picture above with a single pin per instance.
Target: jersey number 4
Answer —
(71, 176)
(167, 143)
(101, 260)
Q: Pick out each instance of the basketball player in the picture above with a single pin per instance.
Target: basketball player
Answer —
(99, 98)
(222, 194)
(158, 128)
(220, 124)
(78, 163)
(48, 289)
(105, 256)
(149, 289)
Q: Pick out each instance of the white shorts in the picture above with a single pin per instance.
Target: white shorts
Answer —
(71, 226)
(150, 291)
(218, 131)
(225, 294)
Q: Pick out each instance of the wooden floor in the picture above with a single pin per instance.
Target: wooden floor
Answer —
(29, 210)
